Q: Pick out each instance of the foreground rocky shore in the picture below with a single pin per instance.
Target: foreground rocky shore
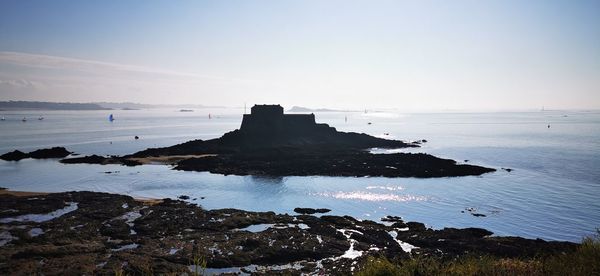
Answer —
(99, 233)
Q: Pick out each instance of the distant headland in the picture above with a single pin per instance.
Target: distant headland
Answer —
(29, 105)
(41, 105)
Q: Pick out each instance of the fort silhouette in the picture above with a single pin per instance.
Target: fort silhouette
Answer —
(270, 118)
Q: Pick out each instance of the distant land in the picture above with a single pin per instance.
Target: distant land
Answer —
(133, 106)
(12, 105)
(306, 109)
(36, 105)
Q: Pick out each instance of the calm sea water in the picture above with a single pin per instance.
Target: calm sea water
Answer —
(553, 192)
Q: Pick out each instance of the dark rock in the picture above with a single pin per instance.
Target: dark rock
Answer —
(89, 159)
(184, 197)
(508, 169)
(109, 233)
(15, 155)
(55, 152)
(270, 143)
(415, 226)
(281, 163)
(268, 128)
(310, 211)
(392, 219)
(96, 159)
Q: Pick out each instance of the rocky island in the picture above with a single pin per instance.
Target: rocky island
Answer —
(272, 143)
(55, 152)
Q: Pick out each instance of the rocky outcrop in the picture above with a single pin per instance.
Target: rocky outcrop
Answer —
(282, 163)
(99, 233)
(310, 211)
(55, 152)
(100, 160)
(15, 155)
(275, 144)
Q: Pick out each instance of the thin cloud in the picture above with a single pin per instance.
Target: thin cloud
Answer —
(98, 67)
(18, 83)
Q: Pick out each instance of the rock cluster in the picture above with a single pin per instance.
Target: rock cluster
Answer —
(99, 233)
(55, 152)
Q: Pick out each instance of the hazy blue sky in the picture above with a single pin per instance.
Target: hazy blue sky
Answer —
(412, 55)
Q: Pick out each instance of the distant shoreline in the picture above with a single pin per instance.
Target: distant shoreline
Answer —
(42, 105)
(27, 105)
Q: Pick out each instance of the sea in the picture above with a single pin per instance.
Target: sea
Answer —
(552, 190)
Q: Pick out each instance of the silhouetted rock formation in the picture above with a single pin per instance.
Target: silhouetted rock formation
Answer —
(310, 211)
(15, 155)
(272, 143)
(55, 152)
(268, 128)
(100, 160)
(282, 163)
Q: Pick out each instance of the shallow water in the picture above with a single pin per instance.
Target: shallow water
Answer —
(552, 193)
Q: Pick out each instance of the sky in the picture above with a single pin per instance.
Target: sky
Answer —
(409, 55)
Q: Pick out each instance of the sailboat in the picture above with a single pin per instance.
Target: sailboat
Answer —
(111, 118)
(2, 119)
(24, 119)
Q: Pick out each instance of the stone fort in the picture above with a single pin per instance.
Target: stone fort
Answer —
(270, 118)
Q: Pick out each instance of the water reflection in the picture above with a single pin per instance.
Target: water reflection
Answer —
(367, 196)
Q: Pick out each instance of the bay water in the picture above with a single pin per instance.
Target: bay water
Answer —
(552, 192)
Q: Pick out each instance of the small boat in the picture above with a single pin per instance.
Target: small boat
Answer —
(369, 123)
(40, 118)
(2, 119)
(186, 110)
(209, 117)
(24, 119)
(111, 118)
